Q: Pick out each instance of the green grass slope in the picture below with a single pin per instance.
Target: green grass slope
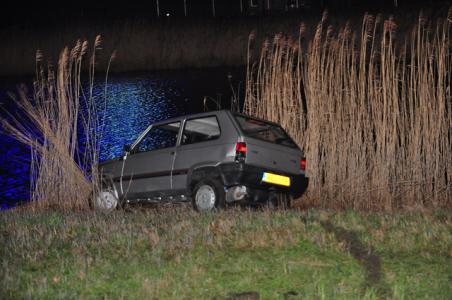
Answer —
(175, 253)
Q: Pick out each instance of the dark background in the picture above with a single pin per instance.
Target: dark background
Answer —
(19, 13)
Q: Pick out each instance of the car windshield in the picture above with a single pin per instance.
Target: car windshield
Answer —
(265, 131)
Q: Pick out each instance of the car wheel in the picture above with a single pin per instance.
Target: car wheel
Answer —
(208, 195)
(106, 198)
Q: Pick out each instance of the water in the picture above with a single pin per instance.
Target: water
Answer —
(134, 101)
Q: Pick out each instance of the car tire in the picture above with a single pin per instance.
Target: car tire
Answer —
(106, 197)
(208, 195)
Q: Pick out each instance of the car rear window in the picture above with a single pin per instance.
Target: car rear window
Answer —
(265, 131)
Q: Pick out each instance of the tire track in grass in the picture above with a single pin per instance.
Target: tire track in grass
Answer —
(244, 296)
(365, 256)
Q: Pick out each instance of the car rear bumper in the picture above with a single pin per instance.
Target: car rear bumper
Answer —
(251, 176)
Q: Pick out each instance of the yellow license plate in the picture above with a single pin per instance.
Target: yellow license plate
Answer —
(276, 179)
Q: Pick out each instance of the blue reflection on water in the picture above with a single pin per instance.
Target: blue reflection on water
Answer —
(132, 105)
(134, 101)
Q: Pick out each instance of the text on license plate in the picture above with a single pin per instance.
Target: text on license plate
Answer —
(276, 179)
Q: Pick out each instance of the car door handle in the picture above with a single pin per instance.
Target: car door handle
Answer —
(172, 153)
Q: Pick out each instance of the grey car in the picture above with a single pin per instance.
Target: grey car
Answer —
(210, 159)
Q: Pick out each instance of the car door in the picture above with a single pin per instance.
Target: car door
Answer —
(147, 169)
(196, 146)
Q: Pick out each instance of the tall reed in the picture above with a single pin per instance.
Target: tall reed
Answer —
(49, 122)
(371, 109)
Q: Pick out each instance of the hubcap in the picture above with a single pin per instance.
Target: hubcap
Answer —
(205, 198)
(107, 200)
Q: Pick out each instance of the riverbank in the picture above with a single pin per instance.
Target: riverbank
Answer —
(161, 44)
(176, 253)
(141, 45)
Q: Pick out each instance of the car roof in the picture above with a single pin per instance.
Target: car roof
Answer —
(255, 118)
(190, 116)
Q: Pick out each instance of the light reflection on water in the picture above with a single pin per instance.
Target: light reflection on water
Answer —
(134, 101)
(131, 106)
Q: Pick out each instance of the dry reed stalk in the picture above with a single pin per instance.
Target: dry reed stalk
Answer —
(62, 178)
(371, 110)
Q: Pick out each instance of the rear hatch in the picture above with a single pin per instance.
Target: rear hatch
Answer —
(269, 146)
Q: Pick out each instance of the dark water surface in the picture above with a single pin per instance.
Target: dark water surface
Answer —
(134, 101)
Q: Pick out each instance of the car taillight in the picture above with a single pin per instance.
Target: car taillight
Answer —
(240, 151)
(303, 164)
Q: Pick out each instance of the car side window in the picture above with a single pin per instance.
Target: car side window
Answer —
(200, 130)
(159, 137)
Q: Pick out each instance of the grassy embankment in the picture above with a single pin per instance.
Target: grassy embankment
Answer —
(176, 253)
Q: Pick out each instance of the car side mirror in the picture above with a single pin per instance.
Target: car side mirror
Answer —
(127, 148)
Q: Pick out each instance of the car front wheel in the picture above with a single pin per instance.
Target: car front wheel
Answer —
(106, 198)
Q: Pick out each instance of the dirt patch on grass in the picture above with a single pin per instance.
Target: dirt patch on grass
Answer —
(365, 256)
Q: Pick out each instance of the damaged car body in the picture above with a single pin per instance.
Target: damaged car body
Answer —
(210, 159)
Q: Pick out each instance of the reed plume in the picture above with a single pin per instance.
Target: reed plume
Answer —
(50, 123)
(371, 109)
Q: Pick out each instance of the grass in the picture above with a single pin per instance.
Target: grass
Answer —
(175, 253)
